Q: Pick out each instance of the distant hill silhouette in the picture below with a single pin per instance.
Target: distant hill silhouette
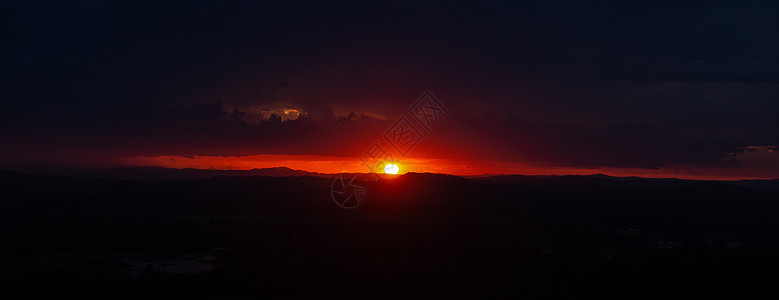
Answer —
(152, 173)
(759, 184)
(170, 174)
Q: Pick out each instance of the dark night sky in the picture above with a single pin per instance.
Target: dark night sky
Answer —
(688, 86)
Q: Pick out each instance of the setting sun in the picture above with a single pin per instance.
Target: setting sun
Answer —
(391, 169)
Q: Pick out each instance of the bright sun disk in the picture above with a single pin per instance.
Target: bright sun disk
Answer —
(391, 169)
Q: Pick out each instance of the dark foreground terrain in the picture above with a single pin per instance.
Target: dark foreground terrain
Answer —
(417, 236)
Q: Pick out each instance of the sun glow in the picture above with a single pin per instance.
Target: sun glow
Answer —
(391, 169)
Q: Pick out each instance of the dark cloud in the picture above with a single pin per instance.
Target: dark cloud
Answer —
(237, 114)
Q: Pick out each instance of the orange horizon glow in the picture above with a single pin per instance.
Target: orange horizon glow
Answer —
(332, 164)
